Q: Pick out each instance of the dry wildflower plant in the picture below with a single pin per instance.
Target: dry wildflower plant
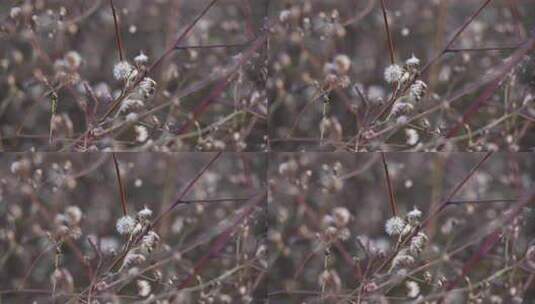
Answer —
(133, 75)
(385, 75)
(401, 228)
(132, 228)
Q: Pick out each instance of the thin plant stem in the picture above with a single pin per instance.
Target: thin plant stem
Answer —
(122, 193)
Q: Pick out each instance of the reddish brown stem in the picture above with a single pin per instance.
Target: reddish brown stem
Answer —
(391, 196)
(388, 33)
(117, 33)
(122, 193)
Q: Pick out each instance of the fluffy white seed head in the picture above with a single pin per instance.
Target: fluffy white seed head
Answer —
(403, 258)
(141, 133)
(418, 243)
(143, 288)
(412, 136)
(417, 90)
(342, 63)
(132, 258)
(131, 104)
(341, 216)
(73, 214)
(131, 116)
(393, 73)
(141, 58)
(394, 225)
(400, 108)
(413, 61)
(150, 240)
(285, 15)
(414, 215)
(122, 70)
(147, 87)
(73, 60)
(413, 289)
(145, 213)
(15, 12)
(125, 225)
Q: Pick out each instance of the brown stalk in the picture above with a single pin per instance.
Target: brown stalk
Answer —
(388, 33)
(391, 196)
(122, 193)
(117, 33)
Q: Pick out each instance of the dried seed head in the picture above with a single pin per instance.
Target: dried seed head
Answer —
(74, 215)
(141, 133)
(394, 225)
(418, 243)
(342, 63)
(285, 15)
(73, 60)
(131, 104)
(414, 215)
(413, 61)
(147, 87)
(413, 289)
(150, 240)
(145, 213)
(125, 225)
(132, 259)
(15, 12)
(122, 70)
(341, 216)
(402, 259)
(417, 90)
(143, 288)
(141, 59)
(393, 73)
(401, 108)
(412, 136)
